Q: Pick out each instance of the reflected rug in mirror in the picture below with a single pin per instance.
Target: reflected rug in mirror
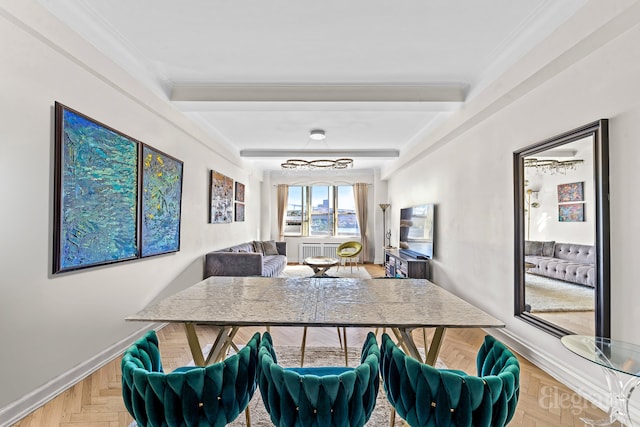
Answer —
(544, 294)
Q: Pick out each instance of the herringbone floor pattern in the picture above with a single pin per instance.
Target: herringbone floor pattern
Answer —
(97, 401)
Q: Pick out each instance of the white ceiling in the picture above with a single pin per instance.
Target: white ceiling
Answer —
(258, 75)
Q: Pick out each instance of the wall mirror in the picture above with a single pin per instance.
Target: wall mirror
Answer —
(562, 232)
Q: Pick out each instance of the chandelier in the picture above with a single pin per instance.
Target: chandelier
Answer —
(322, 164)
(552, 166)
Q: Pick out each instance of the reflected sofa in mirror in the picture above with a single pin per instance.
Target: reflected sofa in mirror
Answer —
(561, 188)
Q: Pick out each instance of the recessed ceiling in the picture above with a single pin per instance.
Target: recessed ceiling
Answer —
(258, 76)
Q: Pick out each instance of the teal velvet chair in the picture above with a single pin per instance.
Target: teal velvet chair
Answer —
(319, 396)
(425, 396)
(213, 395)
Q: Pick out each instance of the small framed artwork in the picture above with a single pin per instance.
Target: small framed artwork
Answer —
(161, 202)
(572, 192)
(96, 193)
(239, 192)
(239, 212)
(221, 208)
(571, 212)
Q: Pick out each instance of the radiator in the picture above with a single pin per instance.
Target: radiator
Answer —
(306, 250)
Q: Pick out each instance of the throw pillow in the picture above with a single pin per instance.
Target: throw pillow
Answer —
(532, 248)
(269, 248)
(547, 248)
(257, 247)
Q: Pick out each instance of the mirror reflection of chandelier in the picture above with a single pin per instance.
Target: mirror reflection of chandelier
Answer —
(317, 164)
(552, 166)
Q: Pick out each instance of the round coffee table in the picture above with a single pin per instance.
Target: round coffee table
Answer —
(320, 264)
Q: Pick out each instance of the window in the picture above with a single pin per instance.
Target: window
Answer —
(293, 222)
(321, 210)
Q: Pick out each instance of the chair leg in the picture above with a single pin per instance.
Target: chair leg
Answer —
(339, 336)
(302, 346)
(346, 353)
(247, 416)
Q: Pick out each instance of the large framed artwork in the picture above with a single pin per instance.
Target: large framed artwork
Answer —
(221, 192)
(571, 212)
(96, 193)
(572, 192)
(161, 202)
(115, 198)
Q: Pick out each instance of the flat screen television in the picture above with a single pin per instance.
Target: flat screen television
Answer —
(417, 230)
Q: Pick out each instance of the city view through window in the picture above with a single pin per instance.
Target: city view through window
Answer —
(321, 211)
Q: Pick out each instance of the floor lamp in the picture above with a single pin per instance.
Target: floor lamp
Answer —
(385, 236)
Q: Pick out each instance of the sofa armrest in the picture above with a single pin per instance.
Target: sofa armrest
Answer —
(233, 264)
(282, 248)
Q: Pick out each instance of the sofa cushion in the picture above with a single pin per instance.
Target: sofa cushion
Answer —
(532, 248)
(243, 247)
(547, 248)
(584, 254)
(269, 247)
(273, 265)
(539, 248)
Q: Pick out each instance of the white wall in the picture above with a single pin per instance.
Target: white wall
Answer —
(468, 172)
(51, 324)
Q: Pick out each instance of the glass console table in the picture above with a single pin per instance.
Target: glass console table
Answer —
(614, 357)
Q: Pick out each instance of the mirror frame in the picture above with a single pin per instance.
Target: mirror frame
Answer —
(600, 132)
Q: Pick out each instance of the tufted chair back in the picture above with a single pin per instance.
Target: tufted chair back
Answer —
(213, 395)
(425, 396)
(319, 397)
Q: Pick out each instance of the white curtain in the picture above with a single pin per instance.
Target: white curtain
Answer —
(283, 197)
(360, 192)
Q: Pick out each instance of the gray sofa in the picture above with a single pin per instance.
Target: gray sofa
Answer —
(247, 259)
(564, 261)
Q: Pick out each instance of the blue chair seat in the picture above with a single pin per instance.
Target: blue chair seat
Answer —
(213, 395)
(425, 396)
(319, 396)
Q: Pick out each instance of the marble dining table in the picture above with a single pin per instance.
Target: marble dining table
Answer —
(401, 305)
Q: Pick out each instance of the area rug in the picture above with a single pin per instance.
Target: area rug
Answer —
(301, 270)
(289, 356)
(544, 294)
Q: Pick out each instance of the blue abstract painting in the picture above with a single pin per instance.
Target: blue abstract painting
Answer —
(97, 193)
(161, 197)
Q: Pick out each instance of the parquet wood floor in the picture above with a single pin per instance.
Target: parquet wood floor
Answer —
(96, 401)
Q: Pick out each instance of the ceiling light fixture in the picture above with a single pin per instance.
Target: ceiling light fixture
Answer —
(320, 164)
(317, 134)
(299, 164)
(552, 166)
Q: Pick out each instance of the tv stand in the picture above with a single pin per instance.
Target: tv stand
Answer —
(398, 263)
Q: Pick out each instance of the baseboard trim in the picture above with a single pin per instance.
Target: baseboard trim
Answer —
(22, 407)
(597, 394)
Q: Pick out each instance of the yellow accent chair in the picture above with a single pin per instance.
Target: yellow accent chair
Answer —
(348, 252)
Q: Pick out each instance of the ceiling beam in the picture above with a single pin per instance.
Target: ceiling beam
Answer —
(321, 153)
(451, 92)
